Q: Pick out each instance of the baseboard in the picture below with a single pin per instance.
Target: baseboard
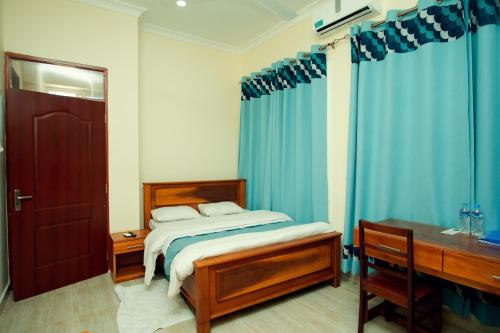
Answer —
(4, 292)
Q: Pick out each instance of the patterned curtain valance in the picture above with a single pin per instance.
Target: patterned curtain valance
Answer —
(285, 74)
(483, 12)
(434, 22)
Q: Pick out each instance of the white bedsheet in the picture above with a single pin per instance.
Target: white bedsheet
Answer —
(160, 238)
(182, 266)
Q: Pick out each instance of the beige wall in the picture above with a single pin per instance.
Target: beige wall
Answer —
(4, 274)
(67, 30)
(300, 37)
(189, 111)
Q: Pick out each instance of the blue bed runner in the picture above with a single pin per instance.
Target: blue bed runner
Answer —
(177, 245)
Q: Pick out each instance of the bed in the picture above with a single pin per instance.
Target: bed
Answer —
(229, 282)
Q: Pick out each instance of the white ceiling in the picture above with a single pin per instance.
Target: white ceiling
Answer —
(227, 23)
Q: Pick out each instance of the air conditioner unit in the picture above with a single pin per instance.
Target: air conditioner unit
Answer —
(332, 14)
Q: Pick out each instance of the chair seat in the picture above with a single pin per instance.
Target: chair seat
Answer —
(394, 289)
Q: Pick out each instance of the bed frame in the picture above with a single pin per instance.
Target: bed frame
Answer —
(227, 283)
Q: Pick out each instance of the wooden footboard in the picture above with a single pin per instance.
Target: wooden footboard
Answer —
(230, 282)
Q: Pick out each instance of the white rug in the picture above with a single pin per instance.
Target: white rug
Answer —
(146, 309)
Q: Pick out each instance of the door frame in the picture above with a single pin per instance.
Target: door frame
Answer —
(10, 202)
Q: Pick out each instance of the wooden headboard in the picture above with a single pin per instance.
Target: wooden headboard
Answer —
(191, 194)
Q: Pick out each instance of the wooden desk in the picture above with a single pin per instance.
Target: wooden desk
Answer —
(456, 258)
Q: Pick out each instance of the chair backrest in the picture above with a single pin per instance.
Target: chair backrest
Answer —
(398, 252)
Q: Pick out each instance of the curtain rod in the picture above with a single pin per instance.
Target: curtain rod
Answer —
(401, 14)
(321, 48)
(334, 42)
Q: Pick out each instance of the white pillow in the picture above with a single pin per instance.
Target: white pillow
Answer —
(176, 213)
(220, 208)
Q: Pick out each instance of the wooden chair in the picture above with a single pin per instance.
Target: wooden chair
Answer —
(394, 280)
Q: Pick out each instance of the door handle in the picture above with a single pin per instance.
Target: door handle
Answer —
(17, 199)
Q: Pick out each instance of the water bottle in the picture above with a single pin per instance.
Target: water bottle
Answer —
(464, 219)
(476, 221)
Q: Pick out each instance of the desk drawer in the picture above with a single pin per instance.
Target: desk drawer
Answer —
(427, 257)
(130, 246)
(471, 268)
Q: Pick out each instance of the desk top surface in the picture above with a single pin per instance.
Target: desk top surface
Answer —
(430, 234)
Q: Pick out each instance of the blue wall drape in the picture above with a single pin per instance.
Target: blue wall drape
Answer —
(409, 134)
(424, 120)
(484, 56)
(484, 61)
(283, 137)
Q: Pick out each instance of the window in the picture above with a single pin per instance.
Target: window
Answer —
(56, 80)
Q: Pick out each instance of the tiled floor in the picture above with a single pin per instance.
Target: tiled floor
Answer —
(91, 305)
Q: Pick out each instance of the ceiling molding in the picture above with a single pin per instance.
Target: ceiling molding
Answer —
(189, 38)
(136, 11)
(253, 43)
(279, 28)
(116, 6)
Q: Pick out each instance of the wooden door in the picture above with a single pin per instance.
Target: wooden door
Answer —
(56, 154)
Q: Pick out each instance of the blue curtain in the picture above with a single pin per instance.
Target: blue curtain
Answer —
(484, 60)
(283, 137)
(485, 64)
(424, 120)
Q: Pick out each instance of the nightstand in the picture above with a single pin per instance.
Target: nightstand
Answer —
(126, 256)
